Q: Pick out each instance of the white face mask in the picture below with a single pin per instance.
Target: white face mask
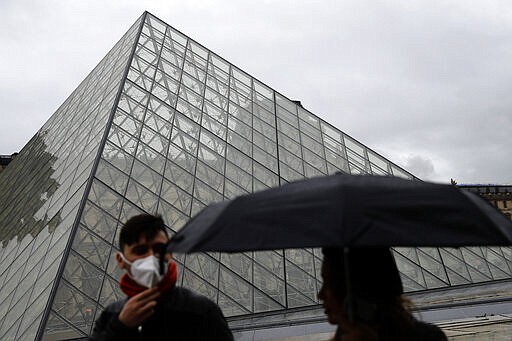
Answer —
(145, 271)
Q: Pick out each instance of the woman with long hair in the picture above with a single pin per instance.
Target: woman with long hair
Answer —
(362, 294)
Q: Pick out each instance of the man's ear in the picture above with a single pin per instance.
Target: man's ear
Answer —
(120, 263)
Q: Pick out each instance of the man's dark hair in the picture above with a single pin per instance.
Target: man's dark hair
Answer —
(146, 225)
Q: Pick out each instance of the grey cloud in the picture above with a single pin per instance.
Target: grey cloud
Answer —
(420, 166)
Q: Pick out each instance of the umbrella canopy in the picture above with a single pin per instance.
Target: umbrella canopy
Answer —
(346, 211)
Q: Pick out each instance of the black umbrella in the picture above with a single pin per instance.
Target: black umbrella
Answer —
(346, 211)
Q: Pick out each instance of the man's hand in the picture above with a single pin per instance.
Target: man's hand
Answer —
(139, 308)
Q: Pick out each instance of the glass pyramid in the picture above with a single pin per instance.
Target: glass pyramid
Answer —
(164, 125)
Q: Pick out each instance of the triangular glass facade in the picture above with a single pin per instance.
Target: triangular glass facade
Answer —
(164, 125)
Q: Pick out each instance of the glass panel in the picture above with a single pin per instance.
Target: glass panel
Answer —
(205, 193)
(170, 64)
(154, 23)
(111, 176)
(158, 124)
(240, 128)
(99, 221)
(140, 79)
(209, 176)
(199, 285)
(204, 266)
(236, 288)
(9, 334)
(173, 218)
(141, 196)
(105, 198)
(197, 206)
(240, 159)
(400, 172)
(178, 176)
(264, 115)
(122, 139)
(182, 158)
(289, 144)
(127, 123)
(135, 92)
(217, 85)
(231, 190)
(265, 175)
(117, 157)
(455, 267)
(215, 112)
(288, 173)
(190, 128)
(194, 69)
(240, 76)
(146, 54)
(265, 159)
(219, 62)
(267, 145)
(110, 292)
(290, 160)
(264, 94)
(265, 129)
(314, 160)
(58, 329)
(239, 142)
(83, 275)
(239, 177)
(74, 307)
(270, 285)
(92, 248)
(184, 142)
(430, 260)
(150, 157)
(213, 142)
(218, 73)
(177, 36)
(33, 315)
(240, 113)
(271, 260)
(378, 161)
(214, 127)
(166, 95)
(239, 263)
(146, 176)
(216, 98)
(212, 159)
(175, 196)
(310, 171)
(154, 140)
(200, 51)
(192, 83)
(296, 298)
(411, 273)
(286, 104)
(312, 145)
(161, 109)
(288, 117)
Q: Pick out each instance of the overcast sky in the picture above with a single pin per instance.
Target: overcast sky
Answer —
(427, 84)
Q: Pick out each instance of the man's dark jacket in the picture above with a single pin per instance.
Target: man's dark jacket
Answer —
(179, 315)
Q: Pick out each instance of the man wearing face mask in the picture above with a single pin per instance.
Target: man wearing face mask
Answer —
(155, 308)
